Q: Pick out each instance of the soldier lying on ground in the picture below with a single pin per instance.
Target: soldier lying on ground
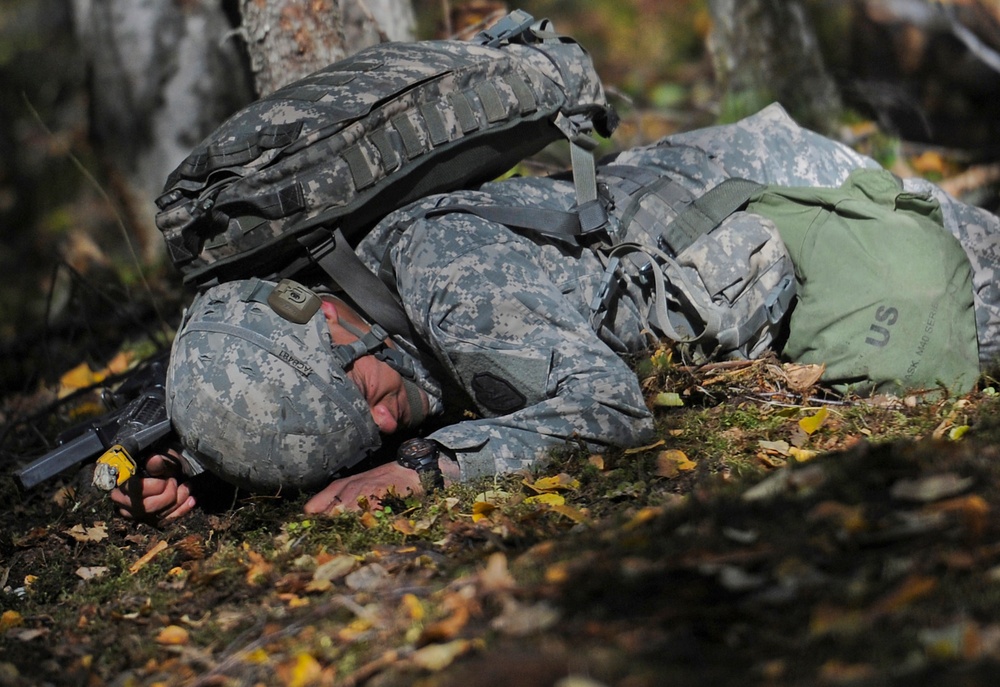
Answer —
(523, 329)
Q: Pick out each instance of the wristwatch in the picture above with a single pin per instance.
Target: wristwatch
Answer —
(421, 455)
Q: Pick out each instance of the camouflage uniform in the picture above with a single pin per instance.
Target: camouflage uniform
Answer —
(508, 317)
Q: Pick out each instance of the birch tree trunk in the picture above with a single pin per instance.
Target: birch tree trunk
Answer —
(765, 51)
(288, 39)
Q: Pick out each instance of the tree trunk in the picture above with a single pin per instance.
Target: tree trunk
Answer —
(288, 39)
(162, 77)
(765, 51)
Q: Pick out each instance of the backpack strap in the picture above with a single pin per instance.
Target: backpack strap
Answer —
(334, 254)
(706, 213)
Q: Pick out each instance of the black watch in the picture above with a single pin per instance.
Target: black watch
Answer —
(422, 455)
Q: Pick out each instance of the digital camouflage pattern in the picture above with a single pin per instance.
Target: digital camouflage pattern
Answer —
(381, 128)
(262, 402)
(507, 315)
(491, 300)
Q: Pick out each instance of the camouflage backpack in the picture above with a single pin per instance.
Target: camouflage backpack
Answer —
(296, 178)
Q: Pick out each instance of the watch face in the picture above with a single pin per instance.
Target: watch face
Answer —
(418, 454)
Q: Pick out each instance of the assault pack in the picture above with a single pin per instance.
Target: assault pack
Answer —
(296, 178)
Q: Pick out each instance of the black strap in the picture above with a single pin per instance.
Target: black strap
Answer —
(334, 254)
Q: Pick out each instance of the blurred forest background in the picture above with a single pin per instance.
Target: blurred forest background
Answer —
(915, 83)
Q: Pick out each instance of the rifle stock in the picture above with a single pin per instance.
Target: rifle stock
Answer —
(132, 428)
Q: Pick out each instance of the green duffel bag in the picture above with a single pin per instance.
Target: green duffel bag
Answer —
(884, 292)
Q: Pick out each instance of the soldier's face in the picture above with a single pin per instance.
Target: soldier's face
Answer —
(381, 386)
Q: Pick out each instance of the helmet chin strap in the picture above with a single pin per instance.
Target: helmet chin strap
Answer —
(374, 342)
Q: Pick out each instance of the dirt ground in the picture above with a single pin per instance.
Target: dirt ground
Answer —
(718, 555)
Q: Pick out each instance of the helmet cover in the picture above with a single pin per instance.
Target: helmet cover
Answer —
(260, 399)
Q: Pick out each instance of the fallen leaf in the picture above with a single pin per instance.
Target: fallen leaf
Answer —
(801, 454)
(802, 377)
(957, 432)
(668, 399)
(414, 607)
(519, 620)
(574, 514)
(258, 569)
(368, 520)
(813, 422)
(91, 573)
(10, 619)
(481, 510)
(158, 548)
(368, 578)
(96, 533)
(779, 447)
(559, 482)
(548, 499)
(643, 449)
(335, 568)
(597, 460)
(300, 671)
(435, 657)
(672, 461)
(173, 635)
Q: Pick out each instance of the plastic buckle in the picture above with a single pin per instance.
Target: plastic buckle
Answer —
(606, 290)
(508, 28)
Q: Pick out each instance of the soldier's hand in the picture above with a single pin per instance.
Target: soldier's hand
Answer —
(161, 495)
(343, 494)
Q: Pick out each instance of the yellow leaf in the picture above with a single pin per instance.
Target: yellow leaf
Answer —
(79, 377)
(672, 461)
(368, 520)
(643, 449)
(574, 514)
(173, 635)
(414, 608)
(801, 455)
(10, 619)
(643, 516)
(549, 499)
(956, 433)
(481, 510)
(668, 399)
(560, 481)
(597, 460)
(813, 422)
(301, 671)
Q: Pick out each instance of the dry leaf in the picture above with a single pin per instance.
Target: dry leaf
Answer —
(414, 607)
(597, 460)
(173, 635)
(10, 619)
(643, 449)
(92, 572)
(435, 657)
(368, 579)
(574, 514)
(779, 447)
(802, 377)
(672, 461)
(258, 570)
(519, 619)
(368, 520)
(88, 534)
(157, 549)
(335, 568)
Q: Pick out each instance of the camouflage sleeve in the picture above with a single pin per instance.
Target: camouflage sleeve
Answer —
(502, 326)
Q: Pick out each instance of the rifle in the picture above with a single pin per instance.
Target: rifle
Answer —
(137, 419)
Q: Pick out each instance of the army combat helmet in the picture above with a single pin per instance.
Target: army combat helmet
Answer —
(257, 389)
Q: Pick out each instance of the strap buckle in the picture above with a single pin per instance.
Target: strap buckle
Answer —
(507, 29)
